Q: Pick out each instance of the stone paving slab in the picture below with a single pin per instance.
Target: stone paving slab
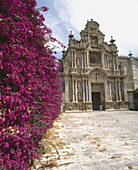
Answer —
(102, 140)
(99, 140)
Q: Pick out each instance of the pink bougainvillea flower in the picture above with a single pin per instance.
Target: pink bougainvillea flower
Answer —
(6, 145)
(30, 86)
(44, 8)
(1, 65)
(12, 151)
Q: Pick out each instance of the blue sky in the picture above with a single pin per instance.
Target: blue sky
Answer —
(117, 18)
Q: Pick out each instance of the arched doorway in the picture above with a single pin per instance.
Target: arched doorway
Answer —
(97, 90)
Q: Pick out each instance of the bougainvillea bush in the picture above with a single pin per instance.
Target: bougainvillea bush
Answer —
(30, 87)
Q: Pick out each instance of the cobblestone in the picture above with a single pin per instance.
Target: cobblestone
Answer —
(99, 140)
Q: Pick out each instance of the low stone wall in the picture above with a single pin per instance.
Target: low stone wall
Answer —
(78, 106)
(87, 106)
(117, 105)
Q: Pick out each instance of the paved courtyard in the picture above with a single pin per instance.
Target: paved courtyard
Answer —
(98, 140)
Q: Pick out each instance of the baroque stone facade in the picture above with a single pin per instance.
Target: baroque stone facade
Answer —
(94, 74)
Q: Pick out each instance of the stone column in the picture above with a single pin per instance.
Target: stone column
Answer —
(82, 60)
(73, 92)
(86, 91)
(104, 64)
(83, 90)
(105, 89)
(122, 90)
(110, 90)
(116, 91)
(119, 90)
(125, 90)
(75, 58)
(88, 59)
(103, 60)
(114, 61)
(72, 54)
(90, 97)
(117, 62)
(76, 90)
(66, 90)
(108, 63)
(85, 61)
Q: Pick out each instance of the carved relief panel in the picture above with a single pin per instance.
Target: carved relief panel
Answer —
(97, 77)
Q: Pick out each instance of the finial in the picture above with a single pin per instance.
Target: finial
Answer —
(71, 35)
(112, 40)
(130, 54)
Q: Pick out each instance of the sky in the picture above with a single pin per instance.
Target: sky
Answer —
(117, 18)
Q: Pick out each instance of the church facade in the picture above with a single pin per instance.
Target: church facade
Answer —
(95, 75)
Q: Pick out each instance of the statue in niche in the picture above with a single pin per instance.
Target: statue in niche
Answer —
(79, 97)
(94, 41)
(121, 68)
(97, 76)
(78, 62)
(79, 85)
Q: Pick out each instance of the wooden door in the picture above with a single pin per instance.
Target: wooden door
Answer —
(96, 99)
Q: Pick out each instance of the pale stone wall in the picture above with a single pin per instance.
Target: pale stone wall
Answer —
(95, 75)
(130, 65)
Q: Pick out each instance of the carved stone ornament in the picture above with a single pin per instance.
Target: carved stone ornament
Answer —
(97, 77)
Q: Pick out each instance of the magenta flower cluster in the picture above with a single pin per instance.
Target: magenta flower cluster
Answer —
(30, 87)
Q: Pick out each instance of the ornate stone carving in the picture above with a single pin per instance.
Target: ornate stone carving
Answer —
(97, 77)
(91, 66)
